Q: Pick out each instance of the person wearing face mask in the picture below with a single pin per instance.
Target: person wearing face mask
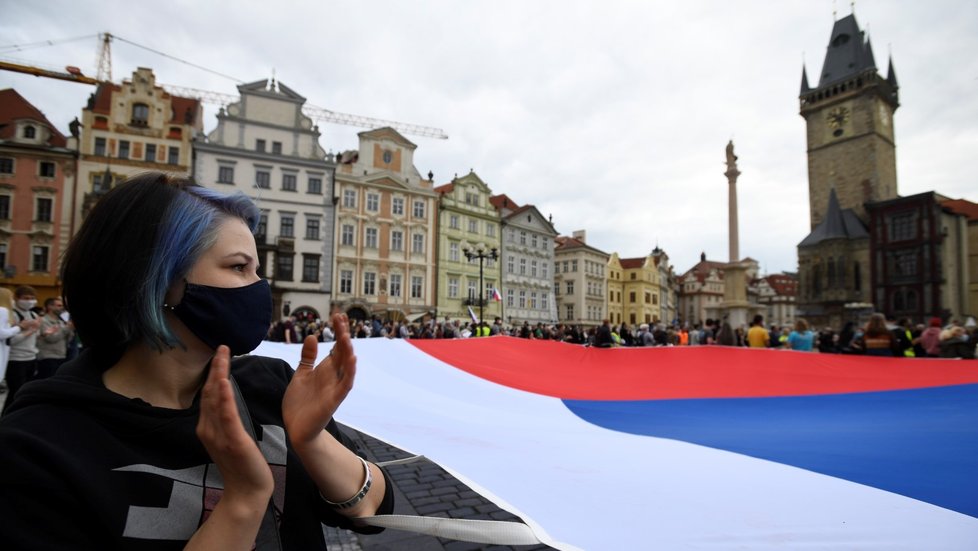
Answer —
(140, 442)
(22, 362)
(53, 338)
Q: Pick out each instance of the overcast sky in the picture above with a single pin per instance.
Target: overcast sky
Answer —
(610, 116)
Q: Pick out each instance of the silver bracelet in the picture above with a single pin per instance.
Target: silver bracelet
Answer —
(359, 495)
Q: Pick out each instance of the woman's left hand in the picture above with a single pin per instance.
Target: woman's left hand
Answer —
(315, 393)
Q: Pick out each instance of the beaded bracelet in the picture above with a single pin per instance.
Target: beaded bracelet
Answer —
(359, 495)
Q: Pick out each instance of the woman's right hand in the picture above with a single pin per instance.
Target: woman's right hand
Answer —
(248, 482)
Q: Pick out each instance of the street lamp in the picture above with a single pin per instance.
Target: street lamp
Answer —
(480, 252)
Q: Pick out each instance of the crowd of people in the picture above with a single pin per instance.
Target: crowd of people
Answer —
(877, 337)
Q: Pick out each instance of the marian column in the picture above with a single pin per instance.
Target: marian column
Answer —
(731, 175)
(735, 306)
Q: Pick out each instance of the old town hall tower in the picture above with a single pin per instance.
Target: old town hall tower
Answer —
(851, 163)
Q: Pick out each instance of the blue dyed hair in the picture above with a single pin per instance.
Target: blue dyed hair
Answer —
(142, 237)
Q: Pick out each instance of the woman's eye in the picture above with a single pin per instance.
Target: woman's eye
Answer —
(239, 267)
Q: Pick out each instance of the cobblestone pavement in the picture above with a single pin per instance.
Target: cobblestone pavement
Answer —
(422, 488)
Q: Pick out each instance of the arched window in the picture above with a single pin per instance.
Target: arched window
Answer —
(831, 270)
(856, 277)
(841, 274)
(30, 132)
(816, 280)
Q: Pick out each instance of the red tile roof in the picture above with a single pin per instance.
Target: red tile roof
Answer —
(446, 188)
(962, 206)
(703, 269)
(783, 284)
(181, 107)
(503, 201)
(631, 263)
(14, 107)
(564, 242)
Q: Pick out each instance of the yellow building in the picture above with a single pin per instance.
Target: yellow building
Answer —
(580, 281)
(637, 281)
(467, 221)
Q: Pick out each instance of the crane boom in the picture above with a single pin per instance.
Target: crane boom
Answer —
(72, 76)
(318, 114)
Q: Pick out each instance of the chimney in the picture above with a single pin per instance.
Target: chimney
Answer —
(580, 235)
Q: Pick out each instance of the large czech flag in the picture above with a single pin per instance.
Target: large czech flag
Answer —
(686, 447)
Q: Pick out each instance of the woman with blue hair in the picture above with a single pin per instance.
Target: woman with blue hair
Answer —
(154, 437)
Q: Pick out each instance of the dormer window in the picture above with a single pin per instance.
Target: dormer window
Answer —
(30, 132)
(140, 114)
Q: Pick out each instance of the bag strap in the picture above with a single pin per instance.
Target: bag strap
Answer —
(268, 538)
(495, 532)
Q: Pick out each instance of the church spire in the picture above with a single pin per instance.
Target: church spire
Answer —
(891, 75)
(805, 88)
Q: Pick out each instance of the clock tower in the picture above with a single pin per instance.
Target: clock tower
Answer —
(849, 120)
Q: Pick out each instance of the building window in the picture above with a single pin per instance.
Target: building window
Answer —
(4, 208)
(473, 288)
(544, 301)
(417, 243)
(262, 230)
(370, 238)
(510, 298)
(373, 202)
(473, 225)
(44, 207)
(263, 179)
(350, 198)
(260, 146)
(570, 287)
(276, 148)
(312, 228)
(30, 132)
(283, 269)
(490, 230)
(47, 169)
(315, 185)
(419, 209)
(522, 237)
(39, 258)
(287, 226)
(569, 309)
(369, 283)
(417, 287)
(533, 300)
(902, 227)
(150, 153)
(395, 285)
(288, 182)
(522, 298)
(453, 221)
(453, 252)
(522, 266)
(509, 264)
(173, 155)
(648, 297)
(3, 255)
(857, 283)
(453, 287)
(346, 281)
(346, 235)
(397, 206)
(310, 268)
(545, 269)
(533, 268)
(100, 147)
(397, 240)
(140, 114)
(225, 174)
(123, 149)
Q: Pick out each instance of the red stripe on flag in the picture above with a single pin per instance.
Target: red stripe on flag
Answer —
(583, 373)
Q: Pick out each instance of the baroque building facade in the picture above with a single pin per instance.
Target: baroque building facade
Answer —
(130, 128)
(777, 293)
(36, 177)
(580, 281)
(702, 289)
(467, 220)
(527, 259)
(264, 147)
(385, 246)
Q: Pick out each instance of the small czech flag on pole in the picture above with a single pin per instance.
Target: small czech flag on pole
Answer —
(496, 296)
(472, 314)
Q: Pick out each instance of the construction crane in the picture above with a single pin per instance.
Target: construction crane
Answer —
(104, 74)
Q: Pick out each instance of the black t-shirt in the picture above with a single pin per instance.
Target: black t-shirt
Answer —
(84, 468)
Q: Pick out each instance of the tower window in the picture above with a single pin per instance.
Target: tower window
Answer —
(140, 114)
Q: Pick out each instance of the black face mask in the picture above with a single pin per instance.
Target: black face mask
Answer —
(237, 317)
